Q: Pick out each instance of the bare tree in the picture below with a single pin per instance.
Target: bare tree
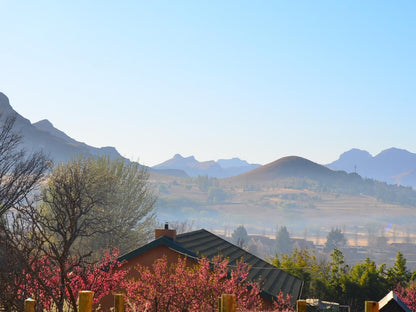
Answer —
(183, 226)
(20, 173)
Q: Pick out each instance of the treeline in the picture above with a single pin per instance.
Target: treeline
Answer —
(336, 281)
(353, 184)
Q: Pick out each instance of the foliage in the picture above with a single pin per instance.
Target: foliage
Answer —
(86, 205)
(335, 240)
(407, 295)
(334, 280)
(204, 182)
(398, 273)
(130, 207)
(283, 303)
(217, 194)
(43, 281)
(189, 286)
(365, 282)
(109, 202)
(301, 263)
(240, 237)
(283, 242)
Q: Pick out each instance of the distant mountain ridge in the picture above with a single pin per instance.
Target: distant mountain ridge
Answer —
(219, 169)
(44, 136)
(299, 173)
(393, 165)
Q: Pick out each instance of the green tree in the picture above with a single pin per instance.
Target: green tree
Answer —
(335, 240)
(398, 273)
(365, 282)
(303, 264)
(109, 202)
(130, 207)
(217, 194)
(337, 275)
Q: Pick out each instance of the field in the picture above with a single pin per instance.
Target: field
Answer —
(222, 206)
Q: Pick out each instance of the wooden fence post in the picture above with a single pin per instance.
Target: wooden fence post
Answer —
(30, 305)
(227, 303)
(371, 306)
(85, 301)
(118, 303)
(301, 306)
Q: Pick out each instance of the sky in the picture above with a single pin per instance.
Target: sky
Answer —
(258, 80)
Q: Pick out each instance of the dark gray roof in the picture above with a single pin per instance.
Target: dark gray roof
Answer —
(272, 280)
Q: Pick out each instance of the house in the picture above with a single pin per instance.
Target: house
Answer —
(392, 303)
(202, 243)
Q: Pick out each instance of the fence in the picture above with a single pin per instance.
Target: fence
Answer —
(226, 303)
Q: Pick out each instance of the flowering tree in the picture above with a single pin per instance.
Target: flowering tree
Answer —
(407, 295)
(178, 287)
(283, 303)
(182, 286)
(43, 281)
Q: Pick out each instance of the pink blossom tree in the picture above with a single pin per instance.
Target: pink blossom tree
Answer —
(407, 295)
(43, 281)
(194, 286)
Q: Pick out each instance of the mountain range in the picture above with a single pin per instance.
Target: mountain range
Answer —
(393, 165)
(44, 136)
(219, 169)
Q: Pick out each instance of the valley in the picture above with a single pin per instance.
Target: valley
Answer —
(263, 207)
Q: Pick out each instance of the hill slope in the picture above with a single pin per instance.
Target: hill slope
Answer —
(291, 166)
(43, 136)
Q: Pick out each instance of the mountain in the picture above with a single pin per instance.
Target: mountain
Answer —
(218, 169)
(300, 173)
(393, 165)
(287, 167)
(44, 136)
(293, 191)
(233, 163)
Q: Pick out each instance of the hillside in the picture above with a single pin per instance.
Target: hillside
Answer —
(44, 136)
(292, 191)
(291, 166)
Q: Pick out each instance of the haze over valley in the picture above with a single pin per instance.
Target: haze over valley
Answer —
(308, 198)
(273, 134)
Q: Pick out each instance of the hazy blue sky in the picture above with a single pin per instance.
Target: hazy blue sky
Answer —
(216, 79)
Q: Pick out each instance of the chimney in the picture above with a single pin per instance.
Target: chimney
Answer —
(165, 232)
